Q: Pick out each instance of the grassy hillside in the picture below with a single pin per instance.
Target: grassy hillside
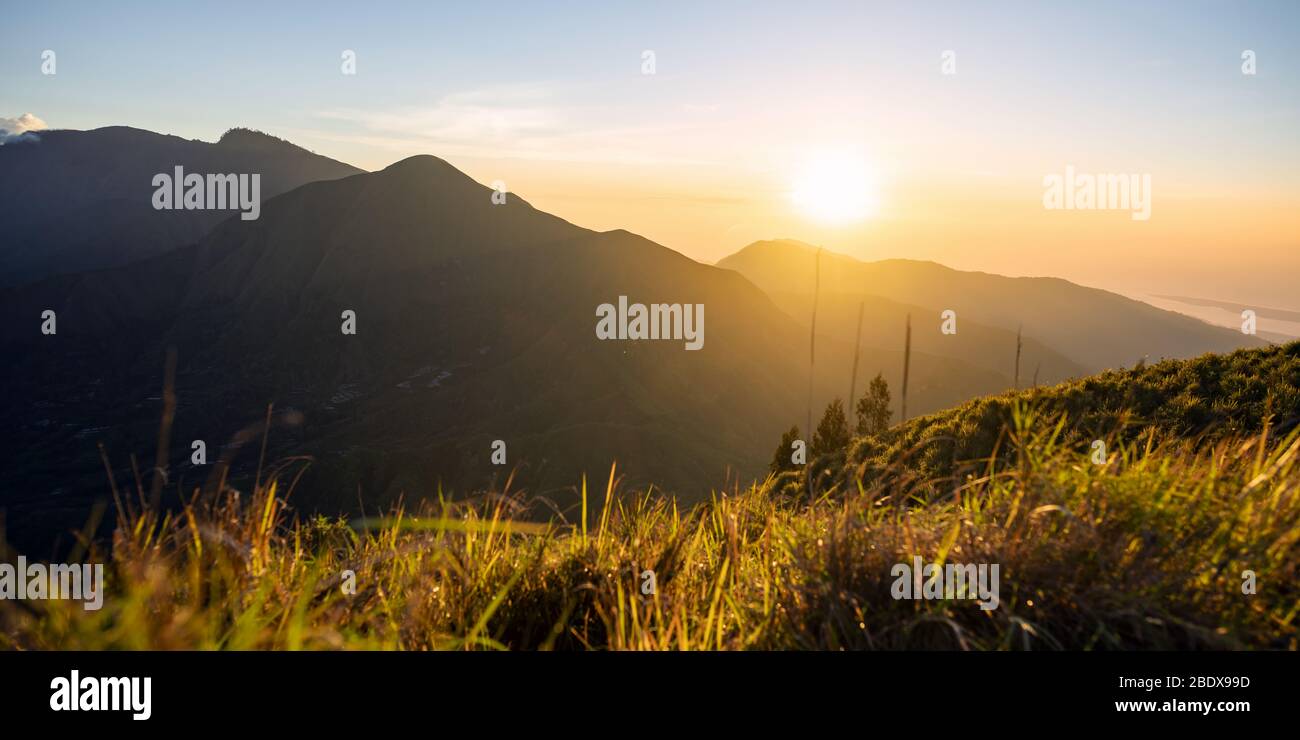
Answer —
(1207, 399)
(1148, 550)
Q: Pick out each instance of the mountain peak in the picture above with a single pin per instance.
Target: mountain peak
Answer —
(425, 170)
(783, 243)
(102, 175)
(247, 138)
(424, 164)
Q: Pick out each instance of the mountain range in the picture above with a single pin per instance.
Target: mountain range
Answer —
(475, 322)
(1067, 329)
(81, 200)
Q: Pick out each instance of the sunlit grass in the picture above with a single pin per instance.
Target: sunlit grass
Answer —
(1146, 551)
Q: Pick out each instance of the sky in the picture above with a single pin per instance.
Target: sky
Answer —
(922, 130)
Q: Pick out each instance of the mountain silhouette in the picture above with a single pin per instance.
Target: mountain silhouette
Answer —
(475, 324)
(82, 200)
(1068, 330)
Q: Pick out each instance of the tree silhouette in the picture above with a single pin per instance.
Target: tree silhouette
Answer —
(873, 408)
(781, 461)
(833, 431)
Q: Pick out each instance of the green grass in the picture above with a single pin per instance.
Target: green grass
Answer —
(1208, 398)
(1145, 551)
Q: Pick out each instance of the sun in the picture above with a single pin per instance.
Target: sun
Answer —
(835, 188)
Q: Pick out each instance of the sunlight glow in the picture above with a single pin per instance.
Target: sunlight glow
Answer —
(835, 188)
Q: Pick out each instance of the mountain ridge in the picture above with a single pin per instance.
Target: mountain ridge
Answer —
(475, 322)
(1092, 327)
(82, 200)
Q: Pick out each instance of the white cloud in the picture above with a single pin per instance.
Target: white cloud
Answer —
(16, 128)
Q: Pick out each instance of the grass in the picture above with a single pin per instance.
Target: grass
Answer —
(1207, 398)
(1145, 551)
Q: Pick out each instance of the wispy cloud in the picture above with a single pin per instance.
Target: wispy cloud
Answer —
(526, 121)
(481, 116)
